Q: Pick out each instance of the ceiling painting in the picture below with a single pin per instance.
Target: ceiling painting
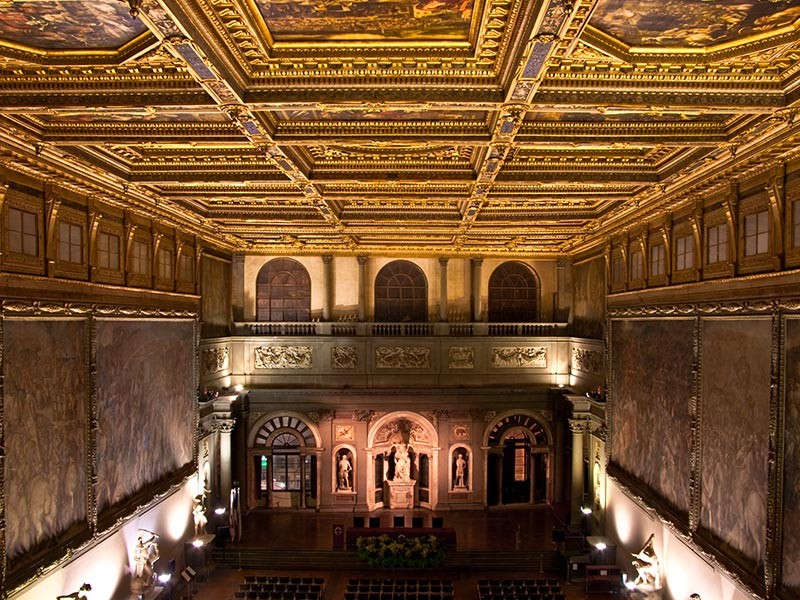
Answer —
(625, 116)
(692, 23)
(138, 115)
(418, 20)
(400, 114)
(69, 25)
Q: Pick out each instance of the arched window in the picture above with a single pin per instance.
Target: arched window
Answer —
(283, 291)
(401, 293)
(513, 294)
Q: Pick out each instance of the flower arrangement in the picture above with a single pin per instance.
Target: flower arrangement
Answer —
(402, 552)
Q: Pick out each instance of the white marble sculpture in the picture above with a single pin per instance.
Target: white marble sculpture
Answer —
(145, 555)
(345, 468)
(461, 465)
(648, 570)
(402, 463)
(199, 515)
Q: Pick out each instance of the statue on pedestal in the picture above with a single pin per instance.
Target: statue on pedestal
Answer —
(402, 463)
(461, 466)
(145, 554)
(345, 468)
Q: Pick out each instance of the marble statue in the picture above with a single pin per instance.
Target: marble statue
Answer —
(345, 469)
(145, 555)
(648, 570)
(461, 465)
(199, 514)
(402, 464)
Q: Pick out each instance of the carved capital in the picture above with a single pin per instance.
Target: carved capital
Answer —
(578, 426)
(223, 425)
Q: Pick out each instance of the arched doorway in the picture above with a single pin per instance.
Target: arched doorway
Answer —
(283, 458)
(519, 459)
(402, 447)
(513, 294)
(401, 293)
(283, 291)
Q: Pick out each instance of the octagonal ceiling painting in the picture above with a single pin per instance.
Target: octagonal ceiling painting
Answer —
(693, 23)
(65, 24)
(417, 20)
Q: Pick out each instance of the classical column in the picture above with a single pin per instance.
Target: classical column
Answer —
(224, 427)
(578, 428)
(362, 288)
(443, 290)
(477, 263)
(327, 299)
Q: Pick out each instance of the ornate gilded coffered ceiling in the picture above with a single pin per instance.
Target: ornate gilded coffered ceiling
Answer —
(475, 127)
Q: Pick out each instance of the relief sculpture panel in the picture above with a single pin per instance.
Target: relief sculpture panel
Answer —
(519, 358)
(344, 357)
(44, 423)
(461, 357)
(145, 404)
(588, 361)
(791, 485)
(651, 367)
(735, 433)
(402, 357)
(215, 360)
(283, 357)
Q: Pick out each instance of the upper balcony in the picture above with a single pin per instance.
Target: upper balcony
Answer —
(365, 329)
(370, 355)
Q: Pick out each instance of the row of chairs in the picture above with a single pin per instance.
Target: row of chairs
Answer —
(282, 579)
(283, 595)
(265, 587)
(398, 521)
(399, 589)
(520, 589)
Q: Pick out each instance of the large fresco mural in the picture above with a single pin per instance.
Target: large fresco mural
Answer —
(651, 370)
(363, 20)
(589, 299)
(144, 404)
(791, 481)
(69, 24)
(735, 405)
(675, 23)
(45, 424)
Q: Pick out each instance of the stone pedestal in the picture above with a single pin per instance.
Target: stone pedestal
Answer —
(401, 494)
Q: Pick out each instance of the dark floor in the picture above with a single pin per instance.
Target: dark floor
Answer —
(526, 529)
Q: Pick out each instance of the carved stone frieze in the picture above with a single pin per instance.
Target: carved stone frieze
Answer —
(461, 357)
(215, 360)
(283, 357)
(344, 357)
(402, 357)
(588, 361)
(519, 357)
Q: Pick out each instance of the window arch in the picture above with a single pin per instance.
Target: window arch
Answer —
(401, 293)
(513, 294)
(283, 291)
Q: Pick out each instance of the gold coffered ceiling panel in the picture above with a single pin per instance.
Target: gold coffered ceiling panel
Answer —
(438, 127)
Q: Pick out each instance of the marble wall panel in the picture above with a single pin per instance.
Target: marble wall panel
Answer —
(145, 404)
(45, 430)
(652, 374)
(735, 405)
